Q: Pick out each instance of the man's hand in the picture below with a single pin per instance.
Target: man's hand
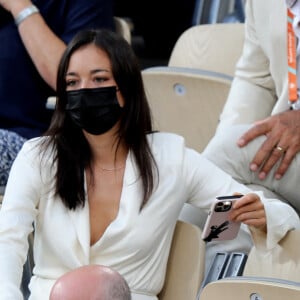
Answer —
(282, 143)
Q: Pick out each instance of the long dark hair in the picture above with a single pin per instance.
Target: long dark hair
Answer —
(72, 152)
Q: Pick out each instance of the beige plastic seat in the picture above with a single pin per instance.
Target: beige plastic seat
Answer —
(269, 274)
(251, 288)
(213, 47)
(186, 101)
(185, 268)
(187, 96)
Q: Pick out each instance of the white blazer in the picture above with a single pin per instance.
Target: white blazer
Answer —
(260, 87)
(136, 243)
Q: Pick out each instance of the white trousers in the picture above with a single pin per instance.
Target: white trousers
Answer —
(224, 152)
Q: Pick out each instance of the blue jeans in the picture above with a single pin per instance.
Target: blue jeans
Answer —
(10, 145)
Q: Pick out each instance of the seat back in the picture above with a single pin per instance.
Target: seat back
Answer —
(123, 28)
(213, 47)
(251, 288)
(186, 101)
(212, 11)
(185, 267)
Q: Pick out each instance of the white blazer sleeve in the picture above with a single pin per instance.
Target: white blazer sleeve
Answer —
(281, 218)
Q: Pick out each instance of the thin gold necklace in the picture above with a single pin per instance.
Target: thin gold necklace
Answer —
(112, 169)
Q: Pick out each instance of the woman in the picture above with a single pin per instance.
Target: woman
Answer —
(102, 188)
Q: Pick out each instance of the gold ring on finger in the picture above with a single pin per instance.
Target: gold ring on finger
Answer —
(280, 149)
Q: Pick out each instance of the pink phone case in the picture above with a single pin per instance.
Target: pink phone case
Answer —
(218, 227)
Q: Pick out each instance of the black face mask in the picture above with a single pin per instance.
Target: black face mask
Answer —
(95, 110)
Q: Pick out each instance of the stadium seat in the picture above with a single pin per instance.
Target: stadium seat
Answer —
(212, 47)
(251, 288)
(185, 269)
(186, 101)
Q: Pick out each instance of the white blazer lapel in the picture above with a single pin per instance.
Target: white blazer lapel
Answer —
(80, 220)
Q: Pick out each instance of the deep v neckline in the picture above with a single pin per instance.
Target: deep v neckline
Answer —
(128, 176)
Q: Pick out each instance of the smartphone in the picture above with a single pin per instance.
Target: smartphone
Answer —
(218, 227)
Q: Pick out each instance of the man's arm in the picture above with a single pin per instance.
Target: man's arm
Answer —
(43, 46)
(252, 99)
(252, 95)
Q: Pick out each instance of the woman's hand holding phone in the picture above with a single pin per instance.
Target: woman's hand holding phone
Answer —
(218, 225)
(228, 212)
(249, 210)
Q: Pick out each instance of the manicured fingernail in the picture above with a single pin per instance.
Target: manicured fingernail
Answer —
(278, 176)
(253, 167)
(262, 175)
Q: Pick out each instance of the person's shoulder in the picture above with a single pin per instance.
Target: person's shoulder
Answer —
(166, 139)
(31, 144)
(167, 146)
(36, 147)
(169, 149)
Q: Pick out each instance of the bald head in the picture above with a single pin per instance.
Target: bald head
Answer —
(94, 282)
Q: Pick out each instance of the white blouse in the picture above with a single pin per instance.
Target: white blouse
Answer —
(136, 243)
